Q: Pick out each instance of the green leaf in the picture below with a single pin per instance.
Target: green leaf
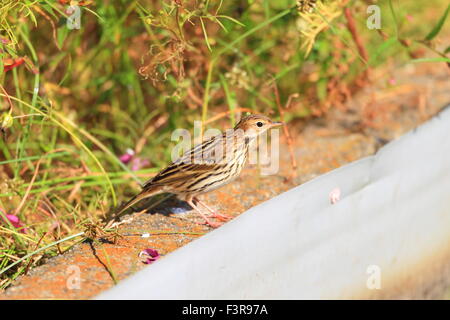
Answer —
(321, 88)
(230, 96)
(433, 33)
(394, 17)
(231, 19)
(447, 50)
(205, 34)
(62, 34)
(382, 49)
(2, 67)
(442, 59)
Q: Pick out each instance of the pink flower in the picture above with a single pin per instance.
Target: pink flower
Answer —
(15, 221)
(151, 255)
(392, 82)
(138, 163)
(130, 157)
(409, 17)
(127, 156)
(335, 195)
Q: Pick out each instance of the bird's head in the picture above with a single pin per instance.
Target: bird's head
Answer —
(253, 125)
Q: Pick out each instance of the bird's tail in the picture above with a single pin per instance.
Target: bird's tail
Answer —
(146, 193)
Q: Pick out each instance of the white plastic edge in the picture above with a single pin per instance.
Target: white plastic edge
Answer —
(393, 214)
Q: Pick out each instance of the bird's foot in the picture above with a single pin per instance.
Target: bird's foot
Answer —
(207, 221)
(214, 214)
(210, 223)
(221, 217)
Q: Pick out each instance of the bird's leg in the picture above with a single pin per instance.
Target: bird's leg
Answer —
(207, 221)
(222, 217)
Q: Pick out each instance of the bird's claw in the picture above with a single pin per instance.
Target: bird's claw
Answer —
(221, 217)
(210, 223)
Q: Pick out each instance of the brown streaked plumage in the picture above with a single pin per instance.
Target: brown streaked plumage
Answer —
(207, 166)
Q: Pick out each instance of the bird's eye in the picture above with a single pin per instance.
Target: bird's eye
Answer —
(259, 124)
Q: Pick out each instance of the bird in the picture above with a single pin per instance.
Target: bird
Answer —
(207, 166)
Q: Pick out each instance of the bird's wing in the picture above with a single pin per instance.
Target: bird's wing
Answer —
(198, 160)
(175, 173)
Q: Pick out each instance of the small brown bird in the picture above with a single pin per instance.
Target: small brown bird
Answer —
(207, 166)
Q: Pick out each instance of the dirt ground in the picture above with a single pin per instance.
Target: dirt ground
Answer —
(377, 114)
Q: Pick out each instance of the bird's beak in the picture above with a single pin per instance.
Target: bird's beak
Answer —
(276, 124)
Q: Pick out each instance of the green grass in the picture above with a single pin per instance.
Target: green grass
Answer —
(137, 70)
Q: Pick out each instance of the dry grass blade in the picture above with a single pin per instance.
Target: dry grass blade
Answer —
(289, 139)
(36, 171)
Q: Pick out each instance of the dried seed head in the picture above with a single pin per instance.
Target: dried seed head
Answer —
(311, 23)
(238, 77)
(306, 6)
(6, 120)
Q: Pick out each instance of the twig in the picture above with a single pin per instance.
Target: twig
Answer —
(352, 28)
(285, 130)
(225, 113)
(35, 247)
(159, 232)
(8, 98)
(148, 131)
(36, 171)
(51, 22)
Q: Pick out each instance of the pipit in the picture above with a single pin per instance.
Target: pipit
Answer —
(207, 166)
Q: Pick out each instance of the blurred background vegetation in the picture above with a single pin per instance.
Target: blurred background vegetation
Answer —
(87, 112)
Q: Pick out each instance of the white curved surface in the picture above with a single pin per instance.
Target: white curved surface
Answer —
(394, 212)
